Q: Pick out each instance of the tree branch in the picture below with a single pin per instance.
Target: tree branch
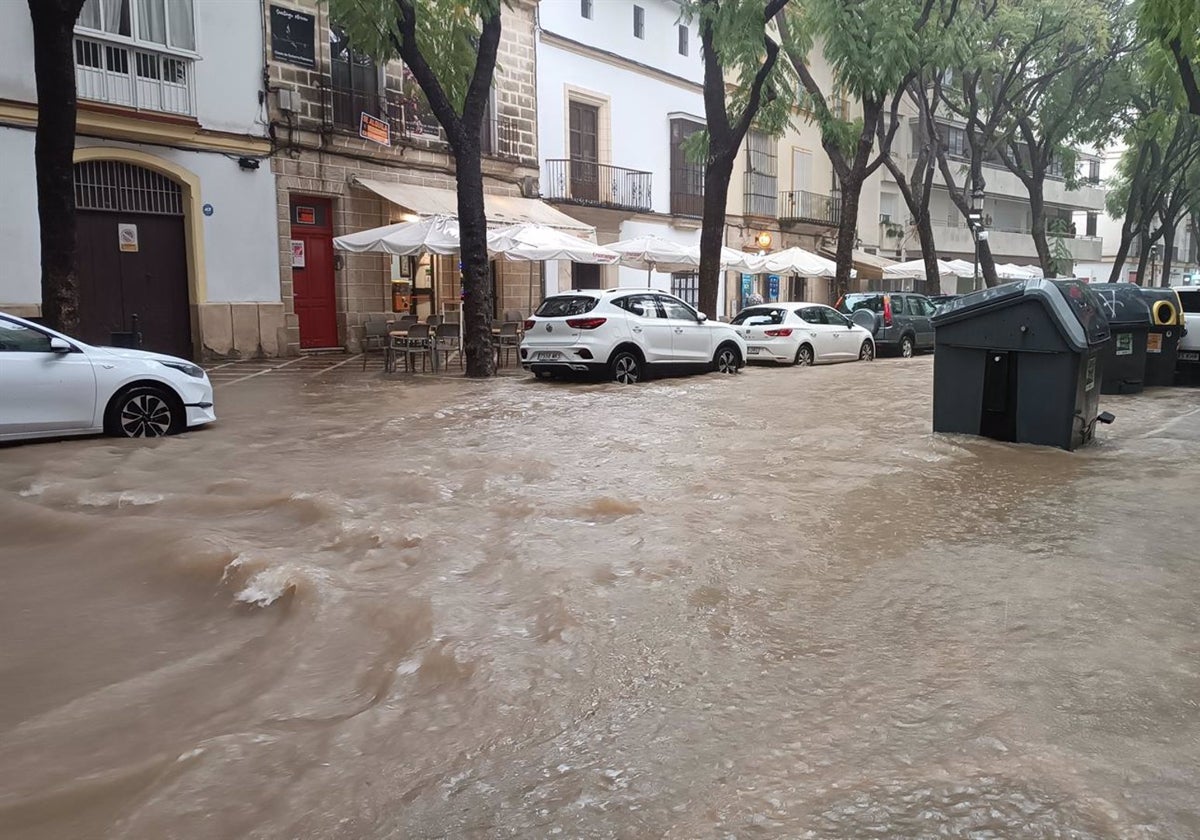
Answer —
(1187, 75)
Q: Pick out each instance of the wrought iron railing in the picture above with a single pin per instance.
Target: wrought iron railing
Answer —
(805, 206)
(596, 184)
(500, 137)
(687, 191)
(134, 77)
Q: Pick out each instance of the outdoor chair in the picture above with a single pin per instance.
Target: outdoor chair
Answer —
(508, 340)
(515, 315)
(434, 320)
(418, 342)
(375, 338)
(447, 340)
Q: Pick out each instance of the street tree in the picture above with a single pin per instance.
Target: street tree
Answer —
(450, 47)
(875, 50)
(54, 155)
(1174, 26)
(735, 42)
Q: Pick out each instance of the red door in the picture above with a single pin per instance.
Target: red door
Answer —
(312, 272)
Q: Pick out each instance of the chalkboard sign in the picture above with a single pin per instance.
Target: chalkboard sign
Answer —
(293, 37)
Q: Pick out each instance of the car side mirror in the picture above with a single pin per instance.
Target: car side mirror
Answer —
(702, 317)
(57, 345)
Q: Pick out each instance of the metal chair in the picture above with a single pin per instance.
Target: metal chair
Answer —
(434, 320)
(515, 315)
(418, 342)
(375, 337)
(448, 340)
(508, 340)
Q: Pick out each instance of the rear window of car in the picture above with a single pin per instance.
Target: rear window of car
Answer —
(1189, 300)
(565, 306)
(775, 313)
(853, 303)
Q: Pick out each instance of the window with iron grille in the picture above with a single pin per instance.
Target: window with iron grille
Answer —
(686, 287)
(115, 187)
(354, 81)
(762, 190)
(639, 22)
(687, 175)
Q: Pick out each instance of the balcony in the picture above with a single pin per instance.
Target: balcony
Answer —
(596, 185)
(813, 208)
(1008, 245)
(687, 191)
(134, 77)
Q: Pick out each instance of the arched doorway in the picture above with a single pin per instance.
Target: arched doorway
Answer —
(132, 256)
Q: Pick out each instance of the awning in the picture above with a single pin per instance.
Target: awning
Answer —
(869, 266)
(500, 209)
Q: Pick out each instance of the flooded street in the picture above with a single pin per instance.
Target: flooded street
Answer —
(771, 605)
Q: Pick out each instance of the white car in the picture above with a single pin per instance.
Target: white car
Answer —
(53, 386)
(1189, 342)
(799, 333)
(626, 334)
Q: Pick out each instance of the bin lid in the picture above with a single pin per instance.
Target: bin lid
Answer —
(1124, 304)
(1077, 310)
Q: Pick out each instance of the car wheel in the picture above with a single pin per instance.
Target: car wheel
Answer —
(907, 348)
(144, 411)
(626, 368)
(804, 356)
(726, 360)
(866, 353)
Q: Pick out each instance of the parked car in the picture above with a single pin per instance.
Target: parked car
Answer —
(1189, 343)
(626, 334)
(802, 334)
(54, 386)
(899, 321)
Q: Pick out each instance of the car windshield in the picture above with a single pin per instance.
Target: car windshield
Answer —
(853, 303)
(761, 315)
(564, 306)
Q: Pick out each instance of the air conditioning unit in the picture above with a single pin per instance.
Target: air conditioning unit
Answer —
(288, 100)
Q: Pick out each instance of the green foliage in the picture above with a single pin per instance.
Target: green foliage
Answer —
(1167, 24)
(447, 33)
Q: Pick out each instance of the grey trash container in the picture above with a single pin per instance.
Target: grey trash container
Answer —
(1021, 362)
(1128, 316)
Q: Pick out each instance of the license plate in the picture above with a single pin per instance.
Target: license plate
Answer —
(753, 351)
(546, 355)
(1190, 357)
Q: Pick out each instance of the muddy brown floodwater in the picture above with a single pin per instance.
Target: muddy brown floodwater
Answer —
(771, 605)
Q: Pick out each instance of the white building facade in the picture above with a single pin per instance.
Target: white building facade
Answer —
(176, 203)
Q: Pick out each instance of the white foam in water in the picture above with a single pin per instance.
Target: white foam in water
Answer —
(125, 497)
(36, 489)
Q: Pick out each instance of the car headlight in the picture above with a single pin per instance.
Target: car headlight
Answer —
(186, 367)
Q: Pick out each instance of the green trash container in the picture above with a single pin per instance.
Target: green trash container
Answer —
(1162, 342)
(1129, 319)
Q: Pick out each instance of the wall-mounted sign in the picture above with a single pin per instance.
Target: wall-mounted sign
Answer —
(306, 215)
(297, 253)
(127, 238)
(747, 285)
(1124, 342)
(374, 129)
(772, 287)
(293, 37)
(208, 209)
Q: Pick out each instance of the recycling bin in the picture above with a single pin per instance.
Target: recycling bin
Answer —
(1021, 362)
(1129, 319)
(1162, 342)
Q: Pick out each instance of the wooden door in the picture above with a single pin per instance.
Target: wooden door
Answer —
(584, 130)
(313, 292)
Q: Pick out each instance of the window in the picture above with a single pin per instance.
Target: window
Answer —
(955, 140)
(18, 338)
(683, 39)
(914, 306)
(166, 23)
(583, 133)
(639, 22)
(676, 310)
(564, 306)
(687, 175)
(760, 315)
(1091, 223)
(585, 8)
(761, 190)
(686, 287)
(354, 80)
(811, 315)
(643, 306)
(834, 318)
(1093, 172)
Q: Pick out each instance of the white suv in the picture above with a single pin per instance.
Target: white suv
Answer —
(1189, 343)
(626, 333)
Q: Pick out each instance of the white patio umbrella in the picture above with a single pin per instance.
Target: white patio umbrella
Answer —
(433, 235)
(961, 268)
(538, 242)
(798, 261)
(653, 253)
(916, 269)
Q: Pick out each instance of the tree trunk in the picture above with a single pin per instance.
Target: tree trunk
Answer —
(54, 154)
(478, 304)
(1144, 257)
(929, 250)
(717, 174)
(1168, 248)
(1041, 241)
(1122, 255)
(847, 233)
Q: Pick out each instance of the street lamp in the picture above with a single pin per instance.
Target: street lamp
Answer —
(975, 223)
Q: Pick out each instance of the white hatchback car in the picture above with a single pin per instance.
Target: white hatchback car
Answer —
(625, 334)
(799, 333)
(54, 386)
